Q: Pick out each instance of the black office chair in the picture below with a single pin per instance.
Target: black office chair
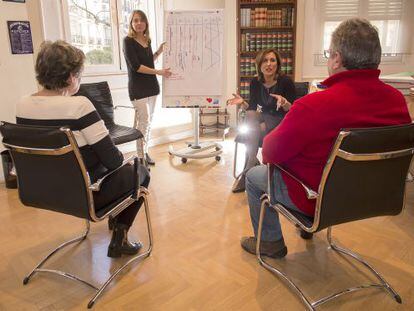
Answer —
(51, 175)
(364, 177)
(301, 89)
(100, 96)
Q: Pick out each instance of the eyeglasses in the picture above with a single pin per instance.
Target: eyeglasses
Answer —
(329, 53)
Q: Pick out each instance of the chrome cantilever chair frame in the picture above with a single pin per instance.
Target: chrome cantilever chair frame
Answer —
(266, 203)
(141, 192)
(242, 119)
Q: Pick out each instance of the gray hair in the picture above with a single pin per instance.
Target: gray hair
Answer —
(358, 43)
(55, 63)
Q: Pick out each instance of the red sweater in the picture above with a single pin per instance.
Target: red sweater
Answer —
(303, 140)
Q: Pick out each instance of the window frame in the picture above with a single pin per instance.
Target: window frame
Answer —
(362, 8)
(118, 66)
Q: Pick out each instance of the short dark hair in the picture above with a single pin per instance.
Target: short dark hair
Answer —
(358, 43)
(260, 59)
(55, 62)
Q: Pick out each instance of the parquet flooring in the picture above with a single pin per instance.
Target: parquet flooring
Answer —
(197, 262)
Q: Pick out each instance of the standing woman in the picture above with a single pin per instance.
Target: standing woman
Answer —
(143, 86)
(271, 96)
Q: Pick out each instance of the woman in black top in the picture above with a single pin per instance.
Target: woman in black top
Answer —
(271, 92)
(142, 81)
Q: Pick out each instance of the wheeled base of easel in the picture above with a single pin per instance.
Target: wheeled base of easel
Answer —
(199, 151)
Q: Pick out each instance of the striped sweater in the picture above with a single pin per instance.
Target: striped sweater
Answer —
(78, 113)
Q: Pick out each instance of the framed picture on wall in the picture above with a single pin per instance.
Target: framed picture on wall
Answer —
(17, 1)
(20, 37)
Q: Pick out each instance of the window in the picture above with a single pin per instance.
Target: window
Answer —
(97, 27)
(387, 15)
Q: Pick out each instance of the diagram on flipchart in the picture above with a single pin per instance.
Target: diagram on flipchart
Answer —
(194, 53)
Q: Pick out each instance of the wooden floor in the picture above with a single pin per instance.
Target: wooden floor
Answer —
(197, 262)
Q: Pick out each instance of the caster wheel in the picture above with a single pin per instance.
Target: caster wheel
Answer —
(25, 280)
(218, 148)
(218, 158)
(90, 304)
(184, 160)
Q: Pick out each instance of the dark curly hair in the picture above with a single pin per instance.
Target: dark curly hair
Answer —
(55, 62)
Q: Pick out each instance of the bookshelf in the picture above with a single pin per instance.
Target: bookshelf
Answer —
(262, 25)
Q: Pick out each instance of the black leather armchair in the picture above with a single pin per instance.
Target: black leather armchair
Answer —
(100, 96)
(301, 89)
(364, 177)
(51, 175)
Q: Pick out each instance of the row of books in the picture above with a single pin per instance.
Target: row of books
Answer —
(248, 65)
(264, 17)
(244, 89)
(268, 1)
(282, 41)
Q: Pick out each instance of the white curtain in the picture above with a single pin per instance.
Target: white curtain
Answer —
(391, 17)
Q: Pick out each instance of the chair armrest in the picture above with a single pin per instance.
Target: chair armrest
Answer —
(122, 106)
(310, 194)
(97, 185)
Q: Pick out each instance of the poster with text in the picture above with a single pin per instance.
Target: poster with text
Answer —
(20, 37)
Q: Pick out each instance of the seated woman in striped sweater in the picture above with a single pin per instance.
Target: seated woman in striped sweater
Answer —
(58, 70)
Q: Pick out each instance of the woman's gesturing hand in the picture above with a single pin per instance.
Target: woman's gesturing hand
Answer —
(165, 72)
(281, 102)
(161, 48)
(236, 100)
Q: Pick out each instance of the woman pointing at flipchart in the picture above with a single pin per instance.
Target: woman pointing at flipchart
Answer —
(143, 86)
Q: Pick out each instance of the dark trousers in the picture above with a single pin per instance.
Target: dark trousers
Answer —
(119, 185)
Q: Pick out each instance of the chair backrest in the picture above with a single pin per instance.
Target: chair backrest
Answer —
(100, 96)
(301, 89)
(365, 175)
(50, 171)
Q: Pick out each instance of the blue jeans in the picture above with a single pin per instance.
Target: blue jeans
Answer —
(256, 186)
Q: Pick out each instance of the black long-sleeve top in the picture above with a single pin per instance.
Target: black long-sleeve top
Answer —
(140, 85)
(259, 95)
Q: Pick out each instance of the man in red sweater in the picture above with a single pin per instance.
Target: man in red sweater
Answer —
(354, 97)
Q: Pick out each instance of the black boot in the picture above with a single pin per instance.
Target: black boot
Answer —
(119, 243)
(111, 222)
(305, 235)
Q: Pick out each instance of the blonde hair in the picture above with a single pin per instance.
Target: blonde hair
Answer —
(131, 32)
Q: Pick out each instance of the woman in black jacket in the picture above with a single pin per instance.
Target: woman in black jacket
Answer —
(271, 96)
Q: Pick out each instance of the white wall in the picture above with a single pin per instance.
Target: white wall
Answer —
(17, 77)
